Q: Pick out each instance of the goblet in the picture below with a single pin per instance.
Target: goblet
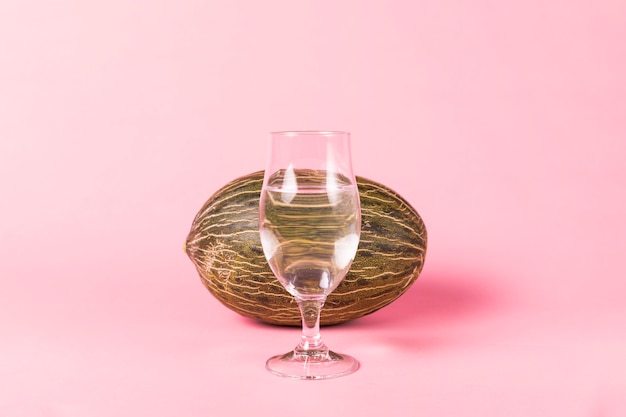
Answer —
(310, 223)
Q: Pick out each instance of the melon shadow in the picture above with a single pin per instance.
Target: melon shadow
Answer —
(438, 297)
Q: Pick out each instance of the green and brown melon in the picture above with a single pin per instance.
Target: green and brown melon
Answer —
(225, 247)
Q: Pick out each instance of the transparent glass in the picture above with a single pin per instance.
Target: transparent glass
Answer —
(310, 224)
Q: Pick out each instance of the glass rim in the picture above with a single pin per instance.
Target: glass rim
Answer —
(310, 132)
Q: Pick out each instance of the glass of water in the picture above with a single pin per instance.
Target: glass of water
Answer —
(310, 223)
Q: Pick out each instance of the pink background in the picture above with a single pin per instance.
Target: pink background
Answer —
(503, 123)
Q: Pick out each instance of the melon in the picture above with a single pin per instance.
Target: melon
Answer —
(225, 247)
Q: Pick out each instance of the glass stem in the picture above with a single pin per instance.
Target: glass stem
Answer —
(311, 340)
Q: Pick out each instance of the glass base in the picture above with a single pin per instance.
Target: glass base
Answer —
(312, 365)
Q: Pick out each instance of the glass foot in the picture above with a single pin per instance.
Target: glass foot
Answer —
(312, 365)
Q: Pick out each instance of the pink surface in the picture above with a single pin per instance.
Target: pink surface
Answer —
(502, 123)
